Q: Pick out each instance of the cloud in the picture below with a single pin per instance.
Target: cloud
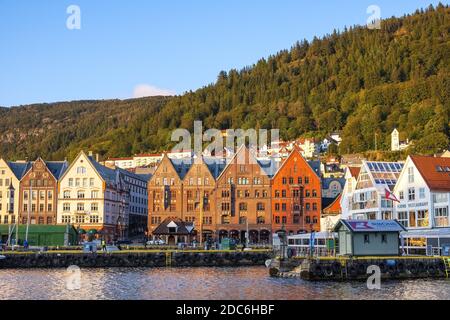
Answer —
(146, 90)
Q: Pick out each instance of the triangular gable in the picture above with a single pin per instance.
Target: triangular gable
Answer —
(243, 151)
(200, 161)
(82, 154)
(166, 162)
(295, 151)
(33, 163)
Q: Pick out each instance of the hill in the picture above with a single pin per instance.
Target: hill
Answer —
(359, 81)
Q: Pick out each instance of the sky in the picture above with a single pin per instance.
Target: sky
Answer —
(133, 48)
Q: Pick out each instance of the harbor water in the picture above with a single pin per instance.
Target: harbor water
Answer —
(201, 284)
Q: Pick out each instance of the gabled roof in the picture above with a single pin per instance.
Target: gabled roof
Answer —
(334, 207)
(182, 166)
(183, 228)
(57, 168)
(366, 226)
(354, 171)
(383, 174)
(215, 165)
(19, 168)
(251, 159)
(314, 165)
(435, 172)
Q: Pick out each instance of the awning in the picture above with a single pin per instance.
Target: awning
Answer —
(93, 231)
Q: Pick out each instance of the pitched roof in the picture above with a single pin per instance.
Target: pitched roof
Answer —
(183, 228)
(19, 168)
(334, 207)
(57, 168)
(371, 226)
(182, 166)
(354, 171)
(435, 171)
(215, 165)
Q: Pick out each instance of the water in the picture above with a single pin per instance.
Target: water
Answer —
(201, 284)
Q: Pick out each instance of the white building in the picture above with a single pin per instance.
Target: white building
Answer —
(94, 197)
(396, 144)
(370, 199)
(423, 190)
(10, 175)
(351, 177)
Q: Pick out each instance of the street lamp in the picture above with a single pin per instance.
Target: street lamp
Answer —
(283, 242)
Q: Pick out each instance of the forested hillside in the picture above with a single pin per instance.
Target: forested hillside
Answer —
(359, 81)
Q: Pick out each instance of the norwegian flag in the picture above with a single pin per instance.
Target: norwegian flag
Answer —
(391, 196)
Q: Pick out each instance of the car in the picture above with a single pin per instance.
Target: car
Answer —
(155, 242)
(121, 242)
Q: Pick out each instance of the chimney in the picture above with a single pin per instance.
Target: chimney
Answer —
(90, 154)
(96, 157)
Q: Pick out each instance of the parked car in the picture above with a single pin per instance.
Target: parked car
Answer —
(122, 242)
(155, 242)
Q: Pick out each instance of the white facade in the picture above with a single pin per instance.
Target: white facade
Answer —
(310, 148)
(9, 198)
(424, 212)
(347, 193)
(92, 196)
(368, 201)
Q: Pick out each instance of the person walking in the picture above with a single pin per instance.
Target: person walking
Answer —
(103, 245)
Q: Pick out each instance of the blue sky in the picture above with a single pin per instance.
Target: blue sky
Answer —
(173, 45)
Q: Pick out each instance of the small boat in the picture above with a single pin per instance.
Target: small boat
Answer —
(2, 257)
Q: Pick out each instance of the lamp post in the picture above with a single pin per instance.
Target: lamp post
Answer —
(282, 236)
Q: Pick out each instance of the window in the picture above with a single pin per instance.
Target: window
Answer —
(71, 182)
(306, 180)
(42, 195)
(401, 195)
(85, 182)
(94, 194)
(91, 182)
(94, 207)
(50, 195)
(80, 206)
(66, 207)
(411, 175)
(260, 206)
(383, 238)
(422, 193)
(93, 219)
(65, 219)
(260, 220)
(49, 207)
(284, 180)
(66, 195)
(79, 219)
(242, 206)
(283, 193)
(80, 194)
(25, 196)
(422, 218)
(366, 238)
(411, 194)
(81, 170)
(77, 182)
(441, 217)
(314, 193)
(41, 207)
(277, 207)
(283, 207)
(277, 220)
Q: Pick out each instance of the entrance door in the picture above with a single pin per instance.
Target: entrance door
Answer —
(171, 241)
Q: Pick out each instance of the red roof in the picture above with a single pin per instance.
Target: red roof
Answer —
(119, 159)
(148, 155)
(354, 171)
(335, 207)
(435, 171)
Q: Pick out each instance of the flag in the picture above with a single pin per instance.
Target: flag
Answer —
(391, 196)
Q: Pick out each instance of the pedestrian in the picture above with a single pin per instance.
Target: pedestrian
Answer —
(103, 245)
(25, 244)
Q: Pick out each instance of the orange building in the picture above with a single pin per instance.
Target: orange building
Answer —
(296, 196)
(243, 199)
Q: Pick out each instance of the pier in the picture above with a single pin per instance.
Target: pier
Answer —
(145, 259)
(357, 269)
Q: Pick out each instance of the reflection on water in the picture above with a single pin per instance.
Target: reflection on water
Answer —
(201, 284)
